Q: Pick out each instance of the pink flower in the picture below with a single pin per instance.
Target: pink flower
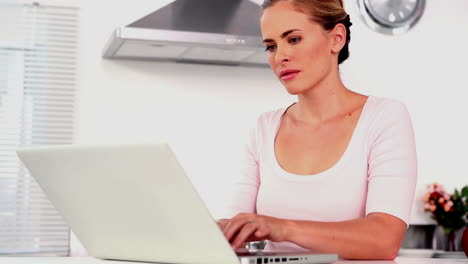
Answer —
(426, 197)
(435, 187)
(432, 207)
(448, 206)
(441, 200)
(426, 207)
(430, 188)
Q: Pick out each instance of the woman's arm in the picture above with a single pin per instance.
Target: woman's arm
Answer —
(377, 236)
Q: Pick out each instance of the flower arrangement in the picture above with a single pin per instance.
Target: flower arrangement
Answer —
(449, 211)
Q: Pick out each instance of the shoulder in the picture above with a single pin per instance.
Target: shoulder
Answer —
(385, 111)
(385, 106)
(270, 116)
(388, 116)
(266, 125)
(269, 120)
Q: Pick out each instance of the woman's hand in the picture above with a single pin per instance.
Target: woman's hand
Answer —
(252, 227)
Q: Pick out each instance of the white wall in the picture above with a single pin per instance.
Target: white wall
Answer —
(205, 112)
(425, 68)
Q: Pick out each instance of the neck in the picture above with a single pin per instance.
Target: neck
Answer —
(327, 100)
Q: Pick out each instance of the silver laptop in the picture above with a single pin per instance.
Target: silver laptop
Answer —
(134, 202)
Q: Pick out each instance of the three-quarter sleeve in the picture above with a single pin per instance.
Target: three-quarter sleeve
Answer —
(246, 185)
(392, 171)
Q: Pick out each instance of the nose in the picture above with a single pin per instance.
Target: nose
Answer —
(282, 55)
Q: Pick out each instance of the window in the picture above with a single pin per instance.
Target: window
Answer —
(38, 65)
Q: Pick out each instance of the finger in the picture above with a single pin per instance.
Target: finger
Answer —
(262, 232)
(234, 226)
(222, 223)
(243, 235)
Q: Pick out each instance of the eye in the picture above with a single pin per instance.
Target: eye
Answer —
(270, 48)
(294, 40)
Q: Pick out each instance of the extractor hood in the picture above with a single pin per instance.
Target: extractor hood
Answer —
(223, 32)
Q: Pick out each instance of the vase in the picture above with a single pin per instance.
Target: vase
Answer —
(447, 240)
(450, 238)
(464, 241)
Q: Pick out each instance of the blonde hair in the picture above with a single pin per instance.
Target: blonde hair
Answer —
(326, 13)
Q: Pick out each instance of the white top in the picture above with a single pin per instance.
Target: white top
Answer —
(376, 173)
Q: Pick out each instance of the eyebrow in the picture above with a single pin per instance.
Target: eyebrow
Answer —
(285, 34)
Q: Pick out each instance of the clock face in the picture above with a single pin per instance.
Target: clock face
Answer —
(391, 16)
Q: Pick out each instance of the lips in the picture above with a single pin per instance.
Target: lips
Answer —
(288, 74)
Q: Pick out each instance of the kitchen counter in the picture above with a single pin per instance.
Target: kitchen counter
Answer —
(89, 260)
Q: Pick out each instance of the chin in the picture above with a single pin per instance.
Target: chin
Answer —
(293, 92)
(294, 89)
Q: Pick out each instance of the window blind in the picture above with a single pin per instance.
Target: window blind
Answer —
(38, 67)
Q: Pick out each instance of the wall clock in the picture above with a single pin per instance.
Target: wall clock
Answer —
(391, 16)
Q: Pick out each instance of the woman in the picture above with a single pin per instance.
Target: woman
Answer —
(334, 172)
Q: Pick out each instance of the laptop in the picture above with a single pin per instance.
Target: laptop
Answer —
(135, 203)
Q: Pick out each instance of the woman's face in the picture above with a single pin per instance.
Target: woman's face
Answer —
(300, 52)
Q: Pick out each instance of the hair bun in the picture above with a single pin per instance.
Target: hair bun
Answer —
(344, 53)
(346, 21)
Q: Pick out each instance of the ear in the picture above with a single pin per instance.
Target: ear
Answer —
(338, 37)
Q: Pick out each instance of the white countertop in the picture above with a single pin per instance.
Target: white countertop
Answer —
(89, 260)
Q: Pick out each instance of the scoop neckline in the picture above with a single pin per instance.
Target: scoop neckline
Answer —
(299, 177)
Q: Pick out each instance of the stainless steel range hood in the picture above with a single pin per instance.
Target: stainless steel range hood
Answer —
(223, 32)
